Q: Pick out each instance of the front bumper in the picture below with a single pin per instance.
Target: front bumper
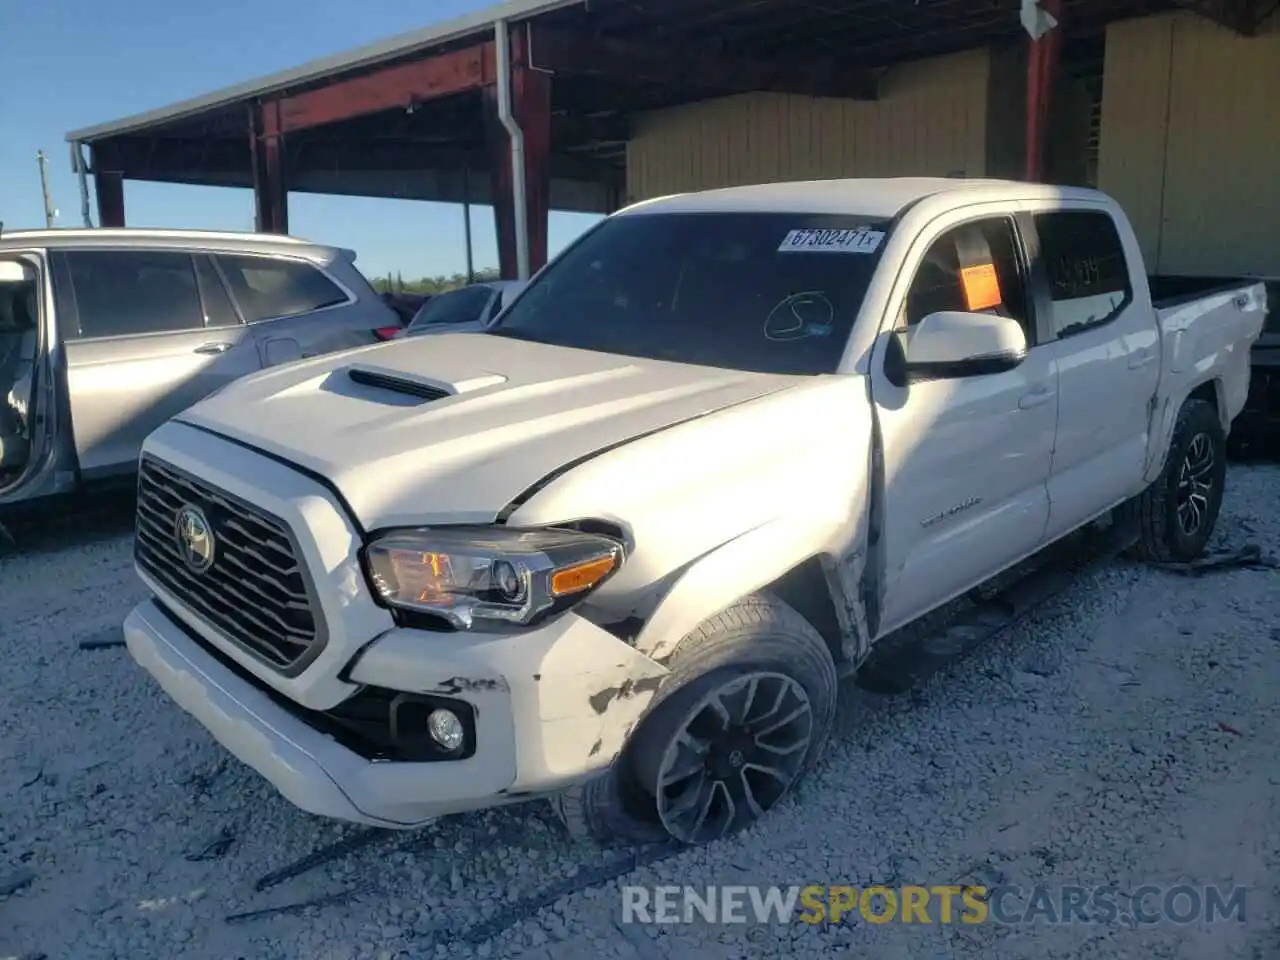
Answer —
(552, 708)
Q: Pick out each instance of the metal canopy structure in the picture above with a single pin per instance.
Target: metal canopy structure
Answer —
(419, 116)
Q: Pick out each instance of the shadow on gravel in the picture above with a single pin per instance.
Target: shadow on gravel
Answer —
(66, 522)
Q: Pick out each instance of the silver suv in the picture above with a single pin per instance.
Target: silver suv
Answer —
(106, 334)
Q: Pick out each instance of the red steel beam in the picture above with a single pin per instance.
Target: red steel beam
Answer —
(108, 185)
(1043, 62)
(401, 86)
(565, 52)
(270, 192)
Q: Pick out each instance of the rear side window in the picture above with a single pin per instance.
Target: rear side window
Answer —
(1087, 271)
(128, 292)
(265, 288)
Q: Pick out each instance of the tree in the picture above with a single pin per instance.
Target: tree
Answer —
(430, 285)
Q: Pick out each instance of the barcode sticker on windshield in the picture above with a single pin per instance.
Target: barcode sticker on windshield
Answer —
(832, 241)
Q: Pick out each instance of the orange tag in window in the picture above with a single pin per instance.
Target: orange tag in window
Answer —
(981, 287)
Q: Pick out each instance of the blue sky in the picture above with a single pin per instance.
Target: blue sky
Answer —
(75, 63)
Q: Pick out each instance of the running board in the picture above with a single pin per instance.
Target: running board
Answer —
(902, 662)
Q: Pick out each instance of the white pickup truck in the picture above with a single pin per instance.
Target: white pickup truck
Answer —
(616, 550)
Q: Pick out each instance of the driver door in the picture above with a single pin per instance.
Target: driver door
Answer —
(966, 460)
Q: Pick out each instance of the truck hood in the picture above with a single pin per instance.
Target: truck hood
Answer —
(453, 428)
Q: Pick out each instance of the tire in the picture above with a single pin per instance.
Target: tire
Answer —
(757, 648)
(1160, 514)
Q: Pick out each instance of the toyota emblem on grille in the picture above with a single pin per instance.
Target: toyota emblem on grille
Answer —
(195, 539)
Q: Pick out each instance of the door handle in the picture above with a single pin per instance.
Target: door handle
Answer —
(1035, 398)
(1141, 359)
(213, 348)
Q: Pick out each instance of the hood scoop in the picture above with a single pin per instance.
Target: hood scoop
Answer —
(416, 388)
(407, 385)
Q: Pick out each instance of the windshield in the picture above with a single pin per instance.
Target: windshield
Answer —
(765, 292)
(457, 306)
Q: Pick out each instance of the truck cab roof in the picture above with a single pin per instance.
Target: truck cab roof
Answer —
(883, 198)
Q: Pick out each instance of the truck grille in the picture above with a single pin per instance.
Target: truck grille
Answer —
(244, 579)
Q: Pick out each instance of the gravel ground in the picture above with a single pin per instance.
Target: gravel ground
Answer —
(1125, 734)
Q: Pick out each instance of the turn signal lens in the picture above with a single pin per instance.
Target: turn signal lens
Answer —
(581, 576)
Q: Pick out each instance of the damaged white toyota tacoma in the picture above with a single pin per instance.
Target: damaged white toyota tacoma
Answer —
(616, 550)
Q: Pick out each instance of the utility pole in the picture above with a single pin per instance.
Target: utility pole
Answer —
(49, 212)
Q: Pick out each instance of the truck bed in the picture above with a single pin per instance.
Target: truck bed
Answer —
(1258, 423)
(1208, 335)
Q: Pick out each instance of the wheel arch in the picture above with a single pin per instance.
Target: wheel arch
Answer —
(1210, 390)
(777, 558)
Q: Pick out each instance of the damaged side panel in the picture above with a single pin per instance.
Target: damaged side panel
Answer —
(827, 517)
(704, 534)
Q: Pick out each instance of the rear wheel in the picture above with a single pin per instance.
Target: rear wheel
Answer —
(1176, 515)
(748, 708)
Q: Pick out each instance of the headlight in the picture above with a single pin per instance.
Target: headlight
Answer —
(465, 574)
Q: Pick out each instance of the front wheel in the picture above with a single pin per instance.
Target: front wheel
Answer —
(1176, 515)
(748, 707)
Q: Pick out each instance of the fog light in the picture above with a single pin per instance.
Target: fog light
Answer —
(446, 729)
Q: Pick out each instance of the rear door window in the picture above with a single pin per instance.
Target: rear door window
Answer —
(1087, 271)
(266, 288)
(128, 292)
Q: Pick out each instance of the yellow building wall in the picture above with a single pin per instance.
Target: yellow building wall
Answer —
(931, 119)
(1190, 143)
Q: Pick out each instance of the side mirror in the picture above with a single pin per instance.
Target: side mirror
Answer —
(951, 344)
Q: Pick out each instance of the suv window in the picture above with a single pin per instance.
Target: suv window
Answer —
(124, 292)
(972, 268)
(265, 288)
(1088, 274)
(456, 306)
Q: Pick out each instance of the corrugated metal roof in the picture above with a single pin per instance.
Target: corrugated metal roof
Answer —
(365, 56)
